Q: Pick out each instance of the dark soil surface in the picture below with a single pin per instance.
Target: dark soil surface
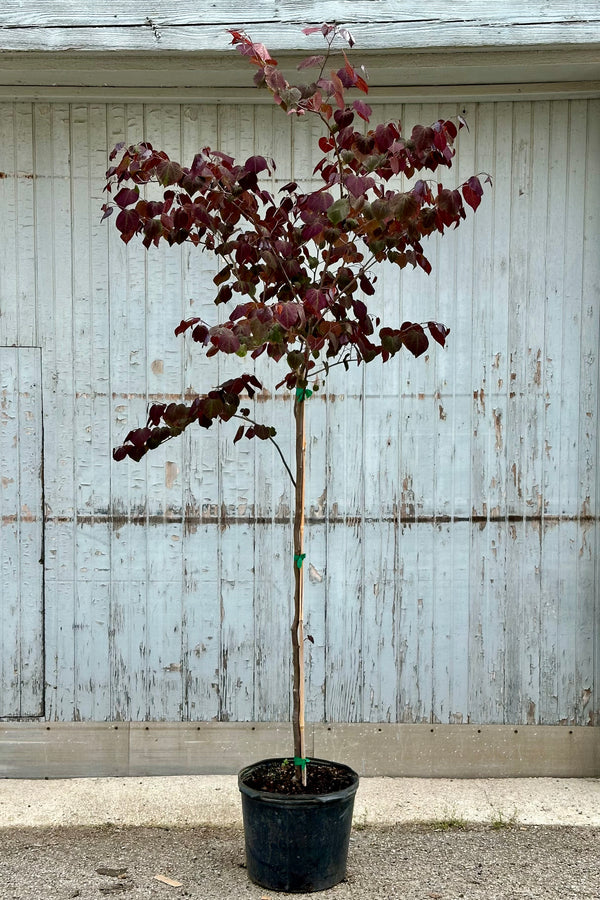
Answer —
(279, 777)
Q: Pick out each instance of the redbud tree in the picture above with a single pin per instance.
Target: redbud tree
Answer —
(296, 270)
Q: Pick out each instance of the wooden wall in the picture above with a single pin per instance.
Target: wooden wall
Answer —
(453, 535)
(161, 26)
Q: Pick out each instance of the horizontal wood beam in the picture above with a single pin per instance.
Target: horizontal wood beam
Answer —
(372, 36)
(459, 93)
(67, 750)
(123, 13)
(162, 26)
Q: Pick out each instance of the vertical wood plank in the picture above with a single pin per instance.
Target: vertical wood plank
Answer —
(236, 493)
(201, 611)
(21, 534)
(590, 527)
(273, 489)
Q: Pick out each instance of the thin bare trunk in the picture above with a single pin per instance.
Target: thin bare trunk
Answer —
(298, 623)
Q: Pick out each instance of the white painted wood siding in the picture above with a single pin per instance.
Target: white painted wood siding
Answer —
(158, 25)
(452, 536)
(21, 533)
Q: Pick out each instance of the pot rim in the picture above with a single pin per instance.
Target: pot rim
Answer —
(297, 800)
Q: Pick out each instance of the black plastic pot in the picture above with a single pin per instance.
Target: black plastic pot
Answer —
(297, 843)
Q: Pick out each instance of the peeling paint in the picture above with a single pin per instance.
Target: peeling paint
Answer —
(317, 510)
(407, 499)
(171, 473)
(537, 376)
(497, 415)
(314, 575)
(516, 473)
(479, 397)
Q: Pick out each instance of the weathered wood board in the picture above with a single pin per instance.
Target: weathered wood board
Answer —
(453, 536)
(163, 26)
(21, 534)
(82, 749)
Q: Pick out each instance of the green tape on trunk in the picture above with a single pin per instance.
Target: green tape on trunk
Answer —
(299, 559)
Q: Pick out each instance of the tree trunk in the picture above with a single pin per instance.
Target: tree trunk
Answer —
(298, 623)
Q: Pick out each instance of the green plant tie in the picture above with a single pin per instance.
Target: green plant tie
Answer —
(303, 394)
(301, 761)
(299, 559)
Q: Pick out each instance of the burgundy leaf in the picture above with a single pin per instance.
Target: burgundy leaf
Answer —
(201, 333)
(320, 201)
(127, 222)
(256, 164)
(126, 197)
(414, 338)
(224, 294)
(156, 412)
(363, 109)
(326, 144)
(472, 192)
(138, 436)
(222, 276)
(168, 172)
(288, 313)
(224, 339)
(438, 332)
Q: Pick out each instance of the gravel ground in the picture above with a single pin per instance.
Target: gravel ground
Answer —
(425, 862)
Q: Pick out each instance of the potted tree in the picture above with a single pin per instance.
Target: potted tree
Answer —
(298, 270)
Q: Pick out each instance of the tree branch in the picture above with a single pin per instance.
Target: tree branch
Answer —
(273, 441)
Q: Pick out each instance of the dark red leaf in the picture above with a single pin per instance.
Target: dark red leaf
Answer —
(319, 201)
(168, 172)
(256, 164)
(222, 276)
(451, 128)
(438, 332)
(127, 222)
(366, 285)
(224, 339)
(138, 436)
(155, 413)
(239, 434)
(200, 333)
(288, 313)
(126, 197)
(472, 192)
(224, 295)
(414, 338)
